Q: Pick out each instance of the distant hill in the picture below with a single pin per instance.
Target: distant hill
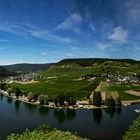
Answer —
(5, 72)
(26, 68)
(91, 61)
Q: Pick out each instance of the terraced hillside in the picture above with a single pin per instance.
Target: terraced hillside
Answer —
(81, 76)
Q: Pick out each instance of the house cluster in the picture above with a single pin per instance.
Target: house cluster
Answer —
(123, 79)
(135, 78)
(20, 78)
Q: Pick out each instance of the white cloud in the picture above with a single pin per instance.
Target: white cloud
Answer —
(44, 53)
(71, 22)
(28, 31)
(103, 46)
(45, 35)
(118, 34)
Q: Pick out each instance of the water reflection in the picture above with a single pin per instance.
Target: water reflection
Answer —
(111, 111)
(97, 115)
(64, 115)
(70, 114)
(9, 100)
(43, 110)
(118, 110)
(1, 97)
(29, 107)
(17, 106)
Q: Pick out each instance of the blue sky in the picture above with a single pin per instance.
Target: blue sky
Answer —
(44, 31)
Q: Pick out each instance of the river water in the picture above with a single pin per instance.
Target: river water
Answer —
(97, 124)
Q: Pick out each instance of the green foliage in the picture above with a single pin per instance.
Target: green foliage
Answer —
(110, 102)
(59, 100)
(134, 131)
(118, 101)
(70, 99)
(63, 77)
(32, 96)
(3, 86)
(44, 132)
(97, 98)
(4, 72)
(43, 99)
(9, 91)
(26, 68)
(17, 92)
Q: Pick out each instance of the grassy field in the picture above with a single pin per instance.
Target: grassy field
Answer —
(121, 91)
(44, 133)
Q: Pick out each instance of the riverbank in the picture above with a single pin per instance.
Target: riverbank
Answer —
(79, 104)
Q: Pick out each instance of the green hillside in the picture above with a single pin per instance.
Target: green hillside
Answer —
(72, 76)
(26, 68)
(4, 72)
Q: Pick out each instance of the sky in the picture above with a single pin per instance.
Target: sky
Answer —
(45, 31)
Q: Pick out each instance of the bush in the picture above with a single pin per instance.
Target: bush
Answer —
(97, 99)
(110, 102)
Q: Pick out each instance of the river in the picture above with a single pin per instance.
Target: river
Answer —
(97, 124)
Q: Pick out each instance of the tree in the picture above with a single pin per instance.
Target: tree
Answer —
(118, 101)
(70, 99)
(46, 100)
(110, 102)
(59, 100)
(3, 86)
(41, 99)
(17, 92)
(97, 98)
(30, 96)
(9, 91)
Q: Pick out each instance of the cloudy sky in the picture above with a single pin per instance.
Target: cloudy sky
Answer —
(43, 31)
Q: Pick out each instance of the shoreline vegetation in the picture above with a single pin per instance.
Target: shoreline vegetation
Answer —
(45, 132)
(84, 104)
